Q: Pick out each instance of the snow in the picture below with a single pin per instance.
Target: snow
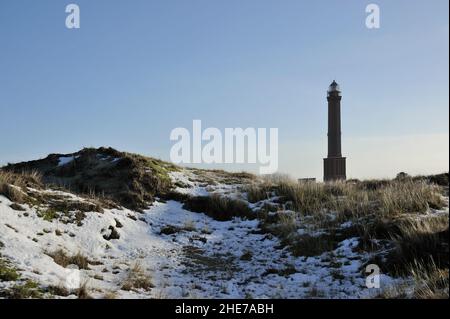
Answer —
(201, 259)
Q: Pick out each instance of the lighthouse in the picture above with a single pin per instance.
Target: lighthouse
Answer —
(334, 165)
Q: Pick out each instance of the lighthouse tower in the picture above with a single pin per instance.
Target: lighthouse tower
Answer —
(334, 164)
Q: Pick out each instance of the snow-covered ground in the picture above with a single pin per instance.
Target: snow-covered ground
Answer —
(186, 254)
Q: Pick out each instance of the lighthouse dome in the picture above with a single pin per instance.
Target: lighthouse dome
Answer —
(334, 88)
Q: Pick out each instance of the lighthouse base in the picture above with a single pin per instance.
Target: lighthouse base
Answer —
(334, 169)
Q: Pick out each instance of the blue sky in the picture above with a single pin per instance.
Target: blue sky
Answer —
(137, 69)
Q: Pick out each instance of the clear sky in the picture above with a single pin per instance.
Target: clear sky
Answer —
(137, 69)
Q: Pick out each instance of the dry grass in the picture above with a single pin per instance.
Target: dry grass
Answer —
(306, 198)
(25, 178)
(277, 179)
(431, 282)
(58, 290)
(12, 193)
(219, 207)
(258, 191)
(212, 177)
(387, 198)
(409, 197)
(391, 210)
(315, 293)
(137, 278)
(287, 224)
(83, 291)
(423, 240)
(393, 292)
(12, 185)
(129, 180)
(338, 197)
(61, 258)
(8, 187)
(110, 295)
(308, 246)
(160, 294)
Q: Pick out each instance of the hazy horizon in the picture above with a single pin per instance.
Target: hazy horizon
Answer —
(133, 72)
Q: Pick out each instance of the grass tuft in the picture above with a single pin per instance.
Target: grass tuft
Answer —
(219, 207)
(137, 278)
(7, 272)
(61, 258)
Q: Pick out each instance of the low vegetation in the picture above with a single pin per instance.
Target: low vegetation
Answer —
(7, 272)
(61, 258)
(258, 192)
(212, 177)
(398, 222)
(219, 207)
(393, 211)
(104, 174)
(23, 290)
(431, 282)
(388, 199)
(423, 241)
(137, 278)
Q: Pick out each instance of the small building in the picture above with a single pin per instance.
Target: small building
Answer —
(307, 180)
